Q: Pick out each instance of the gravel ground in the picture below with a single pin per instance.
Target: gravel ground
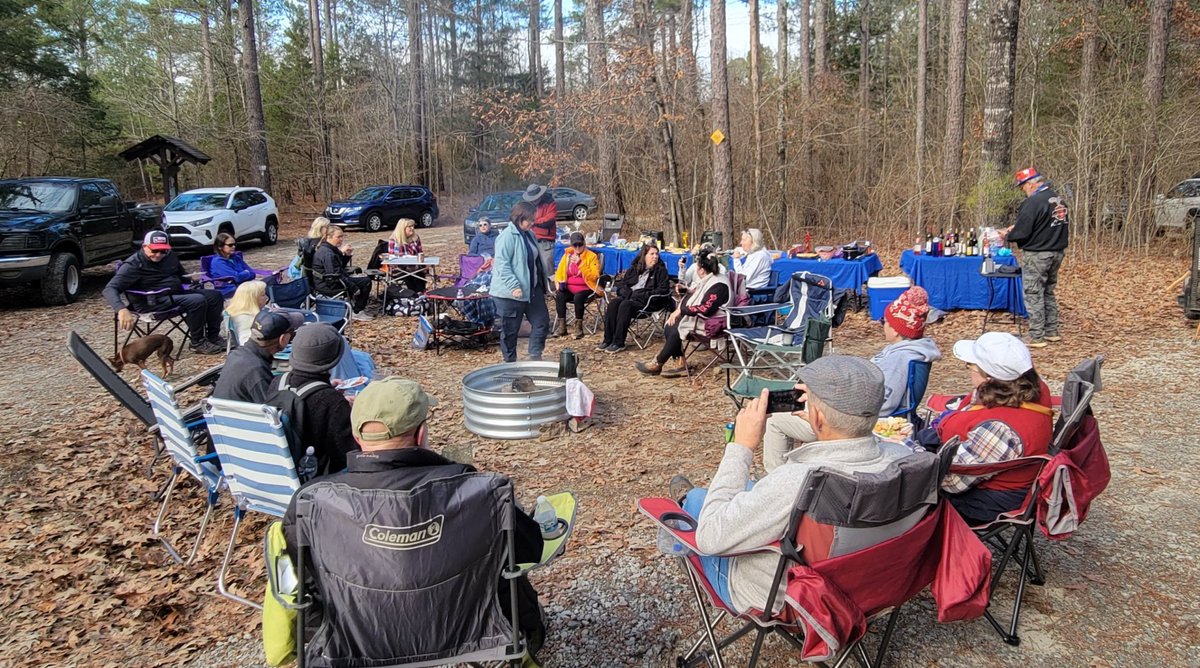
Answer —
(1120, 592)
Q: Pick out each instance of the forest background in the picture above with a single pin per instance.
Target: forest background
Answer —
(861, 117)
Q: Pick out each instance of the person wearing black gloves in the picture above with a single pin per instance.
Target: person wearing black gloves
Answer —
(1041, 232)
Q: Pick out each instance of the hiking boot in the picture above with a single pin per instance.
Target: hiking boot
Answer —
(614, 348)
(560, 328)
(362, 316)
(651, 368)
(1038, 343)
(1054, 338)
(578, 329)
(678, 371)
(679, 487)
(207, 348)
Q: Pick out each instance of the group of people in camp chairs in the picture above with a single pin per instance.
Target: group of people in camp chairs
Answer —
(842, 526)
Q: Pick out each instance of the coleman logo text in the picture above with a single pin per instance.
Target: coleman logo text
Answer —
(404, 538)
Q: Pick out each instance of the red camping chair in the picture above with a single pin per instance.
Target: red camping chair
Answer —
(1069, 482)
(1011, 533)
(829, 601)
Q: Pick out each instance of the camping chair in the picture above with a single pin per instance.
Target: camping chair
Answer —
(215, 281)
(399, 554)
(713, 334)
(914, 391)
(804, 296)
(257, 463)
(180, 441)
(650, 320)
(841, 529)
(593, 318)
(293, 294)
(153, 310)
(1011, 534)
(775, 367)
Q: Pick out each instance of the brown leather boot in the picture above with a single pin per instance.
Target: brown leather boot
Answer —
(560, 329)
(678, 370)
(651, 368)
(579, 329)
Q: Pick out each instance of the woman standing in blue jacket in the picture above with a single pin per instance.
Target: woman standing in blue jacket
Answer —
(519, 285)
(228, 263)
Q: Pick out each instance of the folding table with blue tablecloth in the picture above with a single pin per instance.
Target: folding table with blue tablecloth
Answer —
(845, 274)
(956, 283)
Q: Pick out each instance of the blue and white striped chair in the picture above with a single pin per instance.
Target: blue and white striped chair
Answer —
(257, 464)
(180, 441)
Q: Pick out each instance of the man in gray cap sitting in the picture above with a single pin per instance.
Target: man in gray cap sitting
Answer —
(325, 428)
(843, 395)
(247, 375)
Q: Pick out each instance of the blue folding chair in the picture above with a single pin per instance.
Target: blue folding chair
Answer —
(914, 392)
(259, 471)
(180, 440)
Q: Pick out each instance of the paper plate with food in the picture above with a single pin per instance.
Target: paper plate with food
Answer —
(893, 428)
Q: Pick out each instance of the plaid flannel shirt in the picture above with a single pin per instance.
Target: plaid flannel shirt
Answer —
(988, 443)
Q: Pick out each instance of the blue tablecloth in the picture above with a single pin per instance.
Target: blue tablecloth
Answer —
(617, 260)
(955, 283)
(845, 274)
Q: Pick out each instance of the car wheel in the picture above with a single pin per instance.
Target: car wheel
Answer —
(373, 221)
(580, 212)
(270, 232)
(426, 219)
(61, 283)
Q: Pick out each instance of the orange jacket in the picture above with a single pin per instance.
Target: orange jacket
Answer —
(589, 266)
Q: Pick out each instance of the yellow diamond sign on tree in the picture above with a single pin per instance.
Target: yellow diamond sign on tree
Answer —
(717, 136)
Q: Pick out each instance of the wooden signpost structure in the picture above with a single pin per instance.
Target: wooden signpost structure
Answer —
(169, 154)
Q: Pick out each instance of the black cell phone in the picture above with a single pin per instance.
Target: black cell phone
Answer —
(784, 401)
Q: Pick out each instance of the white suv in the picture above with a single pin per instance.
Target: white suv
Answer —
(196, 217)
(1180, 207)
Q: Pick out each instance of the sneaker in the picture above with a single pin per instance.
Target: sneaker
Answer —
(207, 348)
(1054, 338)
(614, 348)
(1038, 343)
(220, 341)
(679, 487)
(603, 347)
(362, 316)
(535, 358)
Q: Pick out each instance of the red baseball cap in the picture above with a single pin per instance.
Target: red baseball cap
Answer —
(1027, 174)
(157, 240)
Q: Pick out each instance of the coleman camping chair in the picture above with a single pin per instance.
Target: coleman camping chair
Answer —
(397, 555)
(802, 297)
(775, 367)
(257, 463)
(841, 529)
(914, 390)
(1011, 533)
(181, 443)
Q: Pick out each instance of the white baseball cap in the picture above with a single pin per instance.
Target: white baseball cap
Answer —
(998, 354)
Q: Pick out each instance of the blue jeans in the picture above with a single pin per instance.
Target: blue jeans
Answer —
(511, 312)
(716, 569)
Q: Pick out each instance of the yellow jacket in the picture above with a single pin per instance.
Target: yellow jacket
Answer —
(589, 266)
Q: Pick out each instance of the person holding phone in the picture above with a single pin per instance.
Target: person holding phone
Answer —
(843, 395)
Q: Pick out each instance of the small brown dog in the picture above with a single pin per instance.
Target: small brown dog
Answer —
(138, 351)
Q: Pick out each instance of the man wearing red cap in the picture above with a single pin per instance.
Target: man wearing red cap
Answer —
(1041, 233)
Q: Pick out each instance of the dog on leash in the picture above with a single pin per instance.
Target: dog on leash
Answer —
(138, 351)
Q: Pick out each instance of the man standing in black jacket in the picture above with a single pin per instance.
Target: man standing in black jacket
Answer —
(1041, 232)
(389, 423)
(155, 267)
(246, 375)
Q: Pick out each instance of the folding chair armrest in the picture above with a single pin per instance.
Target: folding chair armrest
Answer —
(564, 507)
(778, 349)
(751, 367)
(661, 510)
(206, 377)
(210, 457)
(273, 565)
(753, 309)
(148, 293)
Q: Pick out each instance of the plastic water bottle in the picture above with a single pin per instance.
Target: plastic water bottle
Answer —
(667, 544)
(546, 518)
(460, 294)
(308, 465)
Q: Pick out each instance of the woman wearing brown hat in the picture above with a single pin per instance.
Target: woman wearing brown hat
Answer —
(576, 278)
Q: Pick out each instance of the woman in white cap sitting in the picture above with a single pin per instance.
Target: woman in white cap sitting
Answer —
(1007, 415)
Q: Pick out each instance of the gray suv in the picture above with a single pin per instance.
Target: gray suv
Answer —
(496, 207)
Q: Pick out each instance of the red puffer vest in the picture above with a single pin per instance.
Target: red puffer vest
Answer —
(1033, 423)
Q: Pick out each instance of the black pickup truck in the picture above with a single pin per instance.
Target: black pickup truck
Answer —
(53, 227)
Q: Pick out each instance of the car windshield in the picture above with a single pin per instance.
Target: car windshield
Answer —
(198, 202)
(367, 194)
(500, 202)
(37, 196)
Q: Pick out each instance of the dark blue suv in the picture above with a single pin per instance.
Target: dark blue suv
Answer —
(376, 207)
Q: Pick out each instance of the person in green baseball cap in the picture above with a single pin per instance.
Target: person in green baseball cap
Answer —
(389, 422)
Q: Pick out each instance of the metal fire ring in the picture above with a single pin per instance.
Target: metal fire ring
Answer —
(492, 410)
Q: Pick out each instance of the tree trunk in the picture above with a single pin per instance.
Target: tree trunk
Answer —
(781, 64)
(691, 73)
(1152, 88)
(956, 72)
(668, 170)
(610, 184)
(722, 170)
(865, 154)
(207, 59)
(1003, 22)
(560, 76)
(805, 52)
(416, 91)
(535, 47)
(756, 109)
(820, 38)
(260, 168)
(922, 85)
(1087, 104)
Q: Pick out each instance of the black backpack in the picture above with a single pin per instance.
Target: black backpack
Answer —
(290, 402)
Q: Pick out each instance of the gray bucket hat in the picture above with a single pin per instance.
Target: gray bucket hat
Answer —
(533, 193)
